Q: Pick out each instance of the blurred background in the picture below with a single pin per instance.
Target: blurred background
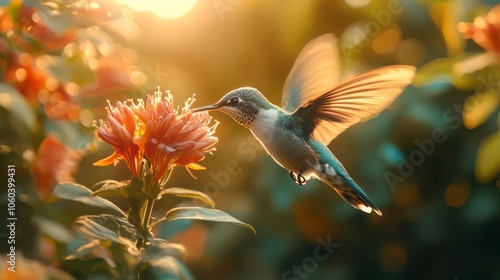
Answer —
(430, 161)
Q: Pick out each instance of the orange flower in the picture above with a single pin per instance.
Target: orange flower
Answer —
(22, 73)
(157, 132)
(119, 131)
(484, 30)
(170, 137)
(54, 163)
(60, 105)
(38, 87)
(32, 24)
(27, 29)
(110, 76)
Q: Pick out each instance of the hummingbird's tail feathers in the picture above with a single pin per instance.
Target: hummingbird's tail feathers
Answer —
(355, 196)
(333, 173)
(351, 192)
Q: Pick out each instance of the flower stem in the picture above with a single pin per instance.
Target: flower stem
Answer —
(149, 203)
(144, 223)
(147, 214)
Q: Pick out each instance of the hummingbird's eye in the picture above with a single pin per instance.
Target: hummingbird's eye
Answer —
(233, 101)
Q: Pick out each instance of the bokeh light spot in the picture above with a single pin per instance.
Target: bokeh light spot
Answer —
(393, 257)
(94, 6)
(72, 89)
(137, 78)
(357, 3)
(462, 27)
(168, 9)
(51, 84)
(70, 50)
(43, 96)
(457, 193)
(88, 49)
(37, 18)
(312, 219)
(5, 100)
(25, 59)
(29, 155)
(105, 48)
(406, 194)
(411, 51)
(387, 41)
(20, 74)
(86, 117)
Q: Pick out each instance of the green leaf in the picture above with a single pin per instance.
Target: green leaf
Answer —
(479, 107)
(200, 213)
(13, 9)
(68, 133)
(16, 104)
(166, 268)
(448, 69)
(53, 229)
(84, 250)
(108, 187)
(56, 18)
(160, 248)
(107, 227)
(76, 192)
(70, 69)
(93, 229)
(181, 192)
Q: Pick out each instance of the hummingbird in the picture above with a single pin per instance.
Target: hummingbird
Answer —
(315, 108)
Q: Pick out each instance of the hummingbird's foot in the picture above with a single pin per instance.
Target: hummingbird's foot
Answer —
(301, 180)
(298, 178)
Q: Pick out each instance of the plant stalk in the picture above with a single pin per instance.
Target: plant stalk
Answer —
(149, 203)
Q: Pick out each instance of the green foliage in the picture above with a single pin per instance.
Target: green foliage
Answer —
(16, 105)
(110, 187)
(128, 238)
(200, 213)
(187, 193)
(81, 194)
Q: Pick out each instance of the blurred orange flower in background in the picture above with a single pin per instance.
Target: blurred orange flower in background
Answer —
(54, 163)
(28, 269)
(484, 30)
(31, 22)
(22, 73)
(155, 132)
(30, 25)
(31, 36)
(38, 87)
(110, 76)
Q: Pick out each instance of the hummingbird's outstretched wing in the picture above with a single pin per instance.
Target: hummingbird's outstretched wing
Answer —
(316, 71)
(355, 100)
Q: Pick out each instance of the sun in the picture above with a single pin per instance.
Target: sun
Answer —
(168, 9)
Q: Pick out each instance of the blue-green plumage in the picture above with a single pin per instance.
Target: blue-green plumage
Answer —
(340, 179)
(315, 110)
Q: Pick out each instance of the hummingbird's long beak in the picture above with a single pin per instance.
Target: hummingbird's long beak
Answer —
(205, 108)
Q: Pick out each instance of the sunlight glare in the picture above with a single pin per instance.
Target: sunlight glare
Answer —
(357, 3)
(168, 9)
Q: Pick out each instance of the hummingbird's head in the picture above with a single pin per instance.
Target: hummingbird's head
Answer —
(241, 104)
